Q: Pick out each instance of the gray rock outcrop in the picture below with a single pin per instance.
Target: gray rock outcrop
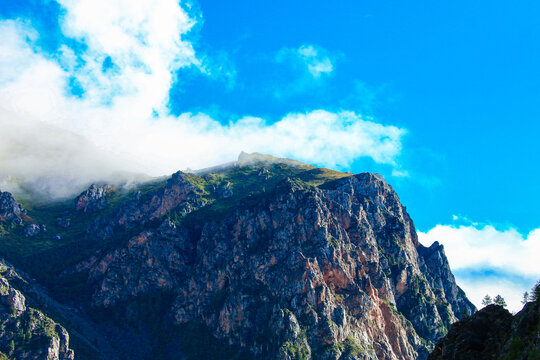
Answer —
(10, 209)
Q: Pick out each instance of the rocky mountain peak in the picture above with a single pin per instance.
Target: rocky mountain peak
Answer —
(93, 199)
(329, 270)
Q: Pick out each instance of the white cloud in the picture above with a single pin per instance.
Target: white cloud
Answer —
(315, 60)
(306, 69)
(485, 258)
(143, 39)
(317, 64)
(487, 247)
(121, 122)
(13, 49)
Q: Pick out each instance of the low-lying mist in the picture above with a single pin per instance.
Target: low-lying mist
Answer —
(45, 161)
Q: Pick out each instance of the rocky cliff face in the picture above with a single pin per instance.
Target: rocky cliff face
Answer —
(333, 271)
(139, 208)
(493, 333)
(259, 259)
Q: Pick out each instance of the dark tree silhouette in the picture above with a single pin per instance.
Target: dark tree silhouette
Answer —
(499, 300)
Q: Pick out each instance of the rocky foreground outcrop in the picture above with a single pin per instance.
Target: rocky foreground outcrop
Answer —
(492, 334)
(26, 333)
(294, 271)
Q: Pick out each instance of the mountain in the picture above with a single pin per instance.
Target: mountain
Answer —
(262, 258)
(493, 333)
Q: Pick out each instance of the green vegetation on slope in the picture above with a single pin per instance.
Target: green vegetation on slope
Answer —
(47, 254)
(250, 185)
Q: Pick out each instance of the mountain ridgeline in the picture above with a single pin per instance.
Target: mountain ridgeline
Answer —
(263, 258)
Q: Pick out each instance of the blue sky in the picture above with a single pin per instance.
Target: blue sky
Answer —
(439, 97)
(462, 77)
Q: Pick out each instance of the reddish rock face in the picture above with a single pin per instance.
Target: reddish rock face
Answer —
(334, 272)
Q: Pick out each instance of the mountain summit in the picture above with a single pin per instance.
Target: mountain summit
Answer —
(266, 259)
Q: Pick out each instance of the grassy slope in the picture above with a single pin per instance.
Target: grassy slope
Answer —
(249, 185)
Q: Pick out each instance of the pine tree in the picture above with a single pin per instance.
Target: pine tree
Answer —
(535, 292)
(487, 300)
(525, 298)
(499, 300)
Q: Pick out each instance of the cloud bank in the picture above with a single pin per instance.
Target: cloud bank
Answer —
(99, 104)
(486, 260)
